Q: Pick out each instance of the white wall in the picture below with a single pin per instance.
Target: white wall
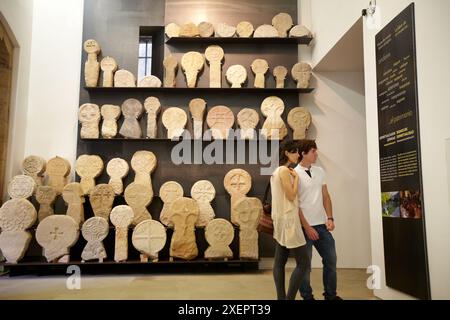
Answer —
(329, 20)
(17, 16)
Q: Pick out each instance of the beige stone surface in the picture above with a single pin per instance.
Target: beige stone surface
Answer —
(138, 197)
(121, 217)
(220, 234)
(89, 117)
(214, 54)
(244, 29)
(280, 73)
(185, 213)
(102, 199)
(91, 66)
(274, 127)
(236, 75)
(170, 71)
(237, 183)
(21, 186)
(172, 30)
(57, 234)
(266, 31)
(298, 31)
(150, 82)
(149, 237)
(143, 163)
(94, 231)
(16, 216)
(132, 110)
(152, 106)
(301, 73)
(57, 170)
(203, 192)
(117, 169)
(248, 212)
(224, 30)
(282, 22)
(247, 120)
(124, 78)
(191, 63)
(45, 196)
(197, 109)
(88, 167)
(108, 66)
(110, 114)
(299, 119)
(74, 198)
(205, 29)
(189, 30)
(220, 120)
(174, 120)
(34, 166)
(260, 68)
(169, 192)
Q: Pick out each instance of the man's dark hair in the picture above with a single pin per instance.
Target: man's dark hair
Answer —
(289, 146)
(306, 146)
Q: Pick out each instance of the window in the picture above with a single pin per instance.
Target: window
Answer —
(145, 57)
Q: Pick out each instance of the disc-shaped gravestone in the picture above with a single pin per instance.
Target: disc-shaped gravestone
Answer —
(57, 170)
(282, 22)
(21, 186)
(94, 231)
(197, 109)
(45, 196)
(266, 31)
(172, 30)
(299, 31)
(237, 183)
(299, 119)
(132, 110)
(110, 114)
(102, 199)
(220, 120)
(214, 54)
(121, 217)
(108, 66)
(280, 73)
(124, 78)
(224, 30)
(219, 234)
(150, 82)
(244, 29)
(152, 106)
(301, 72)
(205, 29)
(88, 167)
(91, 66)
(138, 197)
(174, 120)
(73, 196)
(170, 71)
(149, 237)
(260, 68)
(117, 169)
(34, 166)
(203, 192)
(192, 62)
(185, 213)
(143, 163)
(247, 120)
(189, 30)
(236, 75)
(274, 127)
(89, 117)
(248, 211)
(169, 192)
(57, 234)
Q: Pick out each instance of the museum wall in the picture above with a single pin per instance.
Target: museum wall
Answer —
(17, 16)
(432, 50)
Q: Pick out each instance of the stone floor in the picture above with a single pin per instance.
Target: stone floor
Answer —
(248, 286)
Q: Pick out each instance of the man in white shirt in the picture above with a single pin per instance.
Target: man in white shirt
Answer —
(316, 216)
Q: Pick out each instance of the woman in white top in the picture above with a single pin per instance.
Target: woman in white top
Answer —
(286, 222)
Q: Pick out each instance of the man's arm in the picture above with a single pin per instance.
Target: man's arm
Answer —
(328, 207)
(310, 231)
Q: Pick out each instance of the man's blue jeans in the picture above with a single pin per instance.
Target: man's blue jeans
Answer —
(326, 247)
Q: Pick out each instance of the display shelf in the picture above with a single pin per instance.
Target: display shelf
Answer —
(133, 266)
(170, 140)
(239, 41)
(184, 90)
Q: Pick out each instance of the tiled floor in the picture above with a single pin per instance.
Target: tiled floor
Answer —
(248, 286)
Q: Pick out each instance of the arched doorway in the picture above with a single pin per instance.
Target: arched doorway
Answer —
(6, 60)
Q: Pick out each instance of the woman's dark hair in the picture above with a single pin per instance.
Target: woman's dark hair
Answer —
(289, 146)
(306, 146)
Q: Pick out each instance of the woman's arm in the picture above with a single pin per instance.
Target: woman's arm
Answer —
(290, 187)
